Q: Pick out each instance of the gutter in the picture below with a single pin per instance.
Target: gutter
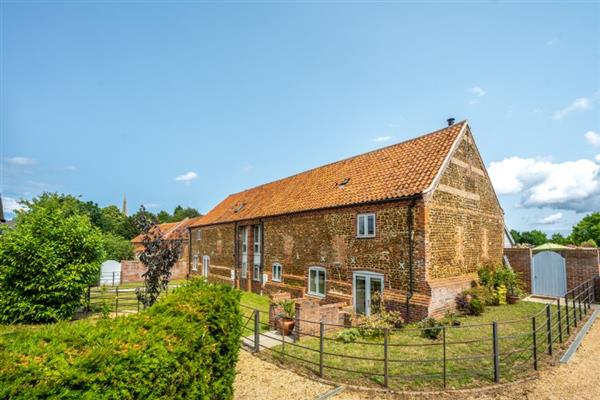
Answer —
(411, 278)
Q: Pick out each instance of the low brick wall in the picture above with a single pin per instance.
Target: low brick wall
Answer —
(308, 310)
(131, 271)
(581, 264)
(520, 261)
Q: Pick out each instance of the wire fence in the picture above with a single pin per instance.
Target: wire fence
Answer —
(461, 356)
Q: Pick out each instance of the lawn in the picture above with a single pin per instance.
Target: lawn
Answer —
(415, 362)
(250, 302)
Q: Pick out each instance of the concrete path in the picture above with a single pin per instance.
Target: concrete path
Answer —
(267, 340)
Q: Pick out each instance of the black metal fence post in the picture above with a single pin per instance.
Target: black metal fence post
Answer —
(113, 278)
(560, 334)
(574, 312)
(256, 330)
(579, 302)
(549, 328)
(386, 334)
(496, 352)
(444, 355)
(321, 343)
(534, 337)
(567, 315)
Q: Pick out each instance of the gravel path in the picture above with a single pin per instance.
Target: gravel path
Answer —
(579, 379)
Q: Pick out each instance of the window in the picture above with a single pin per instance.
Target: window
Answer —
(256, 272)
(244, 239)
(195, 263)
(256, 239)
(365, 225)
(276, 272)
(198, 234)
(205, 265)
(316, 281)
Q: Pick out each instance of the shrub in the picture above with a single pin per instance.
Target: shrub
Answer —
(589, 243)
(289, 308)
(500, 295)
(46, 262)
(430, 328)
(348, 335)
(184, 347)
(476, 307)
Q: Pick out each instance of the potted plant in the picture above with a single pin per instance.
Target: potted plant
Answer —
(285, 322)
(513, 294)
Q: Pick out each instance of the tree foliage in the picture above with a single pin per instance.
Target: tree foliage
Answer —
(179, 214)
(158, 256)
(588, 228)
(534, 237)
(116, 247)
(47, 260)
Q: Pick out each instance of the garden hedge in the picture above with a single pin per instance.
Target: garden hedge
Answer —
(184, 347)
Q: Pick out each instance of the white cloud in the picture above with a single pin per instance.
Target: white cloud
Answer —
(20, 161)
(570, 185)
(580, 104)
(592, 138)
(597, 158)
(478, 91)
(551, 219)
(11, 204)
(473, 102)
(382, 139)
(187, 178)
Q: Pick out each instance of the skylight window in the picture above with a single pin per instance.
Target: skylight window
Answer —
(238, 207)
(343, 183)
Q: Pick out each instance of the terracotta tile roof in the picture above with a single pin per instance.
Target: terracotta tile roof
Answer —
(171, 230)
(392, 172)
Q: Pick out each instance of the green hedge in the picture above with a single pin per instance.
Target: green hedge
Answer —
(184, 347)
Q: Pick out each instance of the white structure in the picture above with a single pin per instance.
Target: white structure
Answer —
(110, 273)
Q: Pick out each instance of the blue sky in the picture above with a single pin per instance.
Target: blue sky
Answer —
(102, 98)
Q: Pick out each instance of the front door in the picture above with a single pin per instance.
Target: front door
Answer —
(365, 284)
(549, 274)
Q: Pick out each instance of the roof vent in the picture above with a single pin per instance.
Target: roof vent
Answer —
(238, 207)
(343, 183)
(450, 121)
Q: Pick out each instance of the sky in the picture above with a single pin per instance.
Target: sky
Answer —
(186, 102)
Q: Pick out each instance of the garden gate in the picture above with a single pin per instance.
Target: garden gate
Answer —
(549, 275)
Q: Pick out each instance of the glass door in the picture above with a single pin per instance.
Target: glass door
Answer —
(364, 286)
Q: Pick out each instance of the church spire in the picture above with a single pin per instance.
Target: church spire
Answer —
(124, 209)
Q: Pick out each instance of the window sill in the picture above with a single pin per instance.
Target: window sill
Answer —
(318, 295)
(367, 237)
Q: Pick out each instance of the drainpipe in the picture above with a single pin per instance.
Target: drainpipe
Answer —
(262, 254)
(411, 283)
(236, 256)
(189, 274)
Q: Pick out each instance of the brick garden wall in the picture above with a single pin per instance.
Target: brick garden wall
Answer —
(581, 265)
(131, 271)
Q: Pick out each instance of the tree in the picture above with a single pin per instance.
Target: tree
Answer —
(158, 256)
(116, 247)
(534, 237)
(47, 260)
(559, 239)
(588, 228)
(179, 214)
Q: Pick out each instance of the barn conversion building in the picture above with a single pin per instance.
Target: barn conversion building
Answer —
(413, 221)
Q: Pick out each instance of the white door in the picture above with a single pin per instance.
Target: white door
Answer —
(549, 274)
(244, 274)
(364, 285)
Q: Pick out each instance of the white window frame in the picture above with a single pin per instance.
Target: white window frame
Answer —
(244, 252)
(363, 219)
(256, 270)
(195, 263)
(317, 270)
(367, 275)
(277, 272)
(205, 266)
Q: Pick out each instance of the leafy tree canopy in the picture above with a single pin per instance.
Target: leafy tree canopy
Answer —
(179, 214)
(534, 237)
(47, 260)
(116, 247)
(588, 228)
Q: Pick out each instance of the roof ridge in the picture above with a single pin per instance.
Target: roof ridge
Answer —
(464, 121)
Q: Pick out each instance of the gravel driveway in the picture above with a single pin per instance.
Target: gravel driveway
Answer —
(579, 379)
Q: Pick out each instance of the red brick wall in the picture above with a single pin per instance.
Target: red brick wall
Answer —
(131, 271)
(520, 261)
(581, 265)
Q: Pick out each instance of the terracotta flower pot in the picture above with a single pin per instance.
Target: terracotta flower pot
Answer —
(512, 299)
(285, 326)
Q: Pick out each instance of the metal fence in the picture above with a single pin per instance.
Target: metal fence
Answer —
(114, 300)
(462, 356)
(112, 278)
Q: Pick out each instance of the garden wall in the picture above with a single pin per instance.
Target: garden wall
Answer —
(581, 264)
(131, 271)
